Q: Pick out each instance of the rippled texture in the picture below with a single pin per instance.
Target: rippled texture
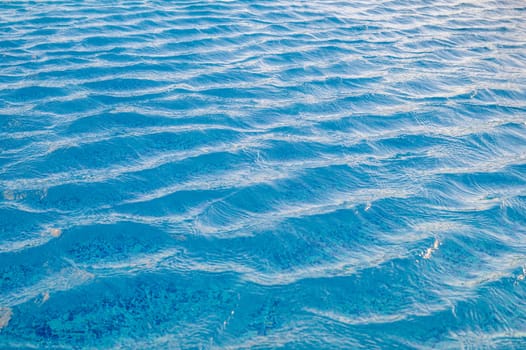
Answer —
(236, 174)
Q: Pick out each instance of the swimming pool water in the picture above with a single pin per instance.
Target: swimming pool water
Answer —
(263, 174)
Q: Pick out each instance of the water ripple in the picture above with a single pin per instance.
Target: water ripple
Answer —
(262, 174)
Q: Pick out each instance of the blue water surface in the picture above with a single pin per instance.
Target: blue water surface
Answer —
(263, 174)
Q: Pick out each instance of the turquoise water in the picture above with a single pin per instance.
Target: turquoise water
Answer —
(263, 174)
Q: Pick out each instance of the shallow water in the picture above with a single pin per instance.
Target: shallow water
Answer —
(236, 174)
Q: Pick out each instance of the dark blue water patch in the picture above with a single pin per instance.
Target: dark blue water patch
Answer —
(18, 223)
(78, 105)
(122, 84)
(10, 122)
(140, 298)
(112, 242)
(33, 93)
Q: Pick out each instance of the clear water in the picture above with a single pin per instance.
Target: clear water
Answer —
(263, 174)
